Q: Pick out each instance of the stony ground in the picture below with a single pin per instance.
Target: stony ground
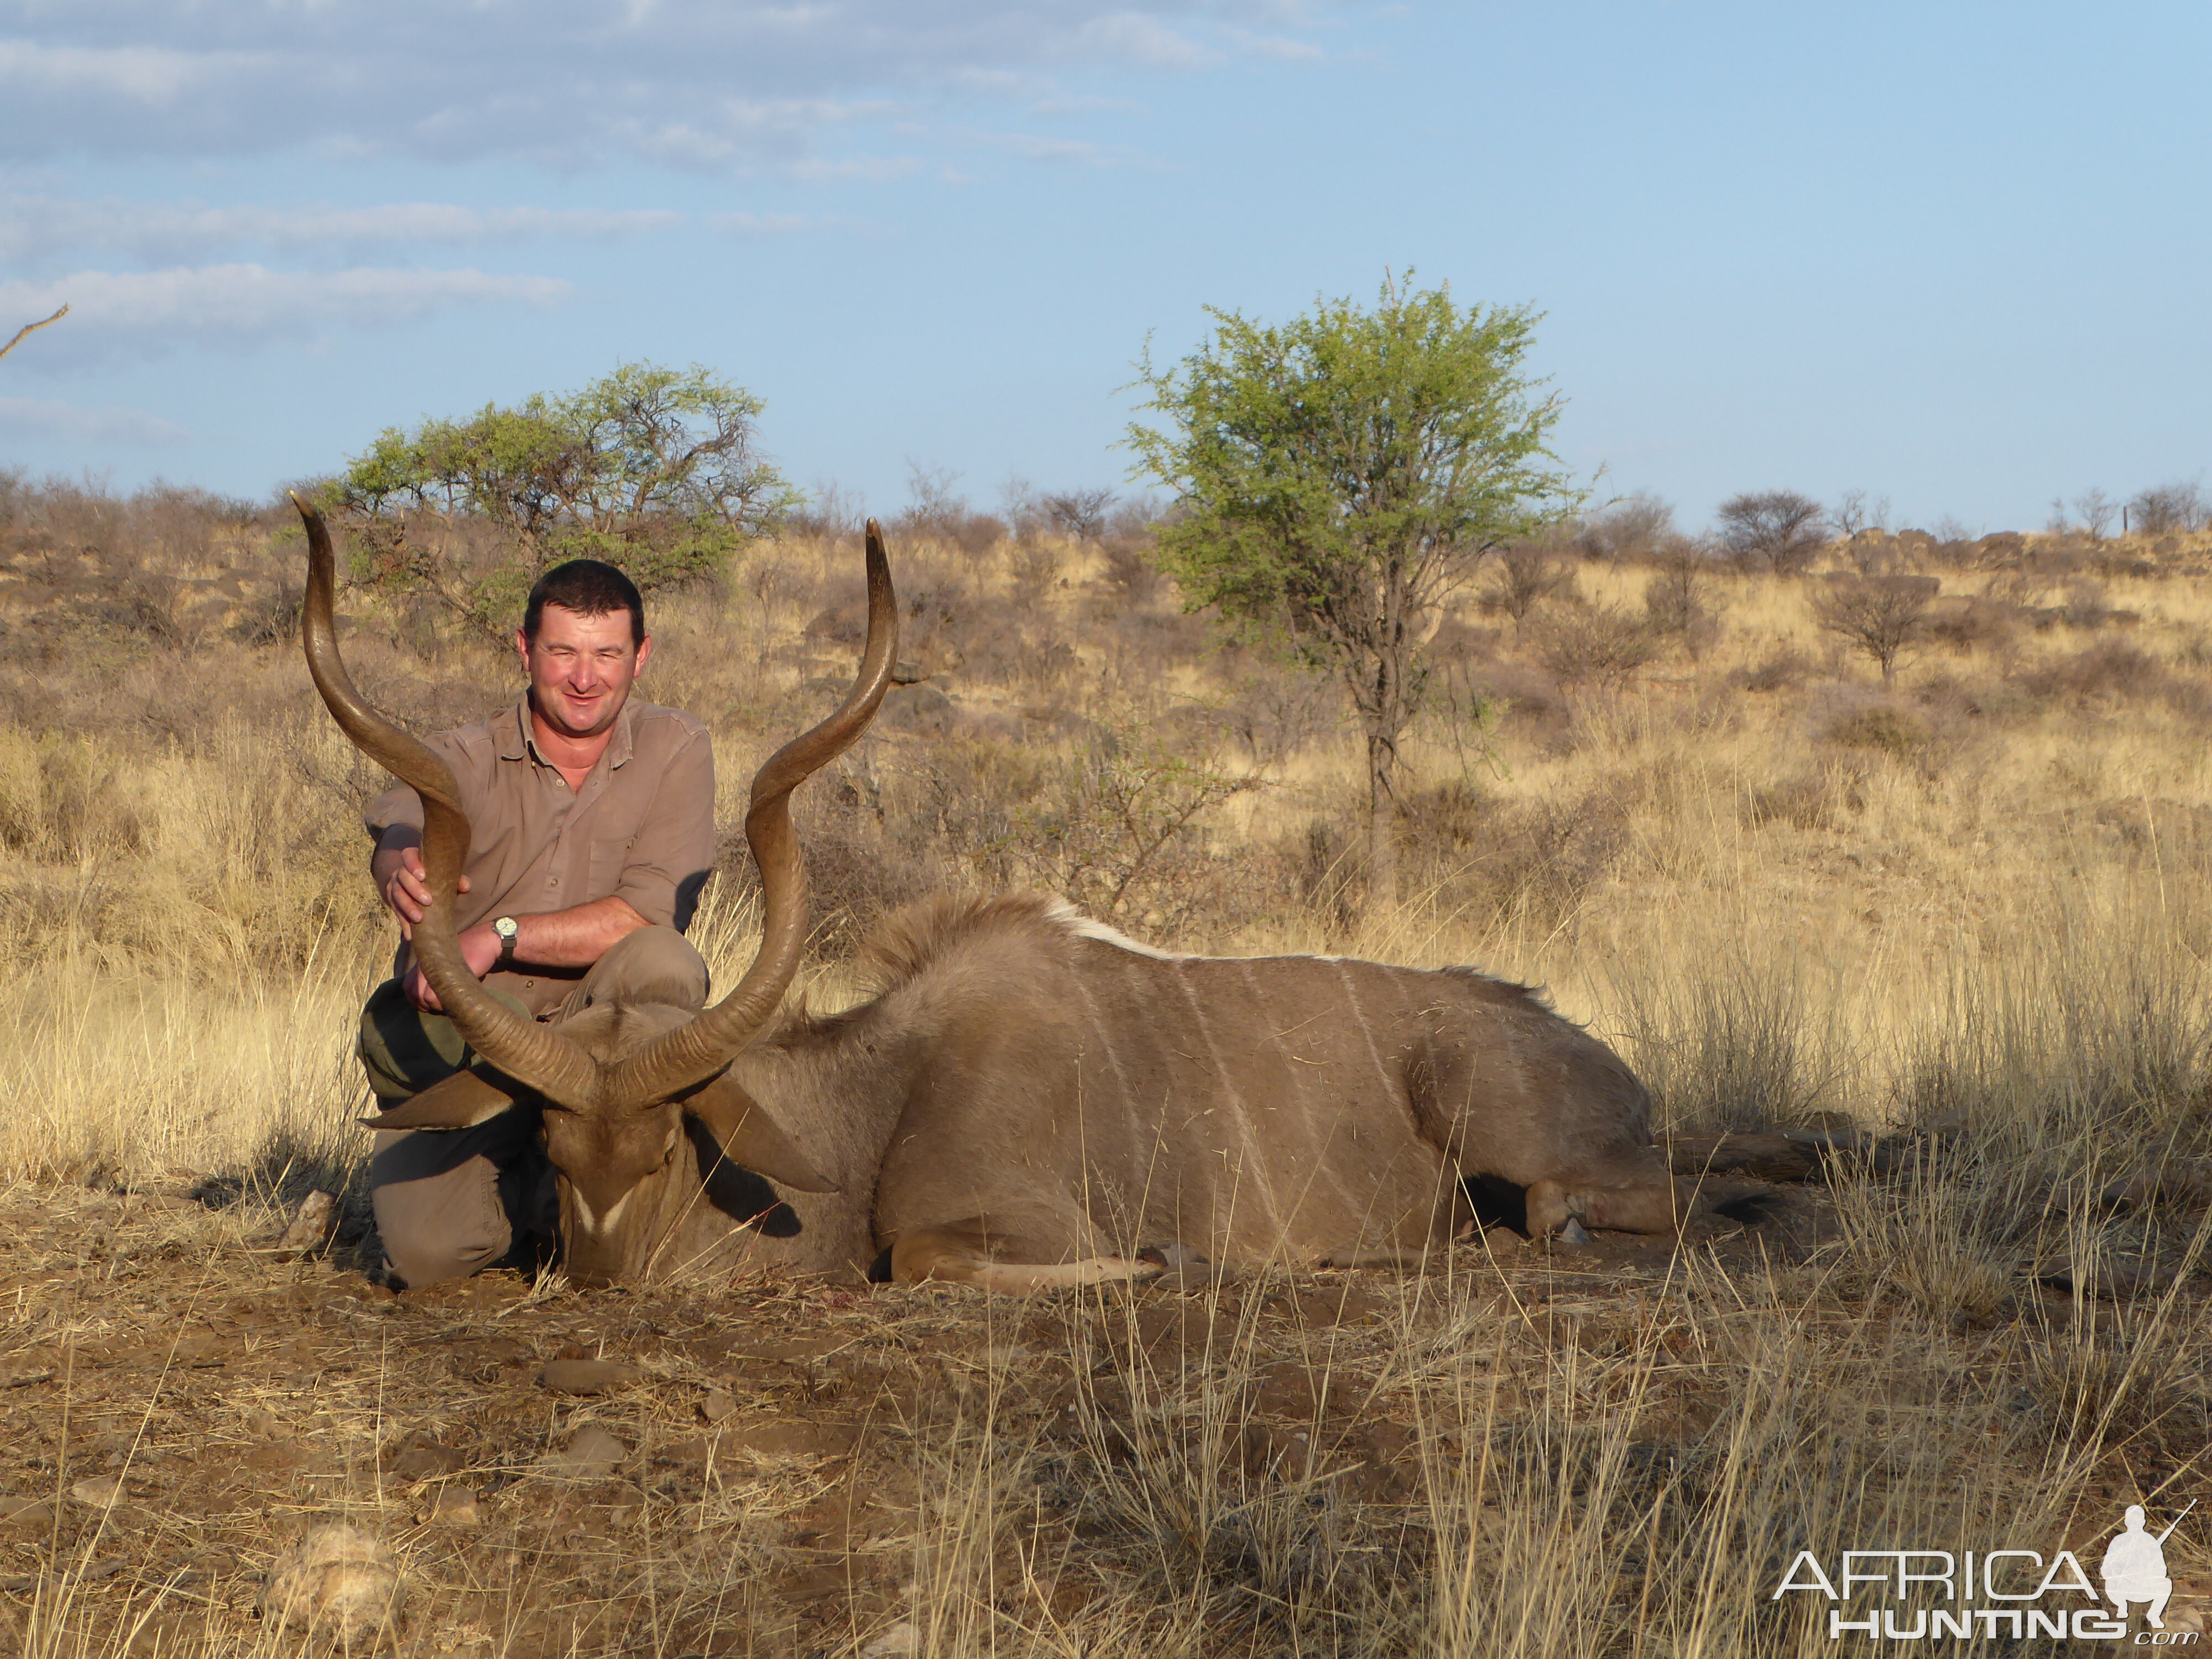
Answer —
(183, 1403)
(788, 1469)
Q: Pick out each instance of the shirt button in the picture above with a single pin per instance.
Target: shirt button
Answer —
(556, 881)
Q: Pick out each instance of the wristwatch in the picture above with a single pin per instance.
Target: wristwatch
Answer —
(508, 929)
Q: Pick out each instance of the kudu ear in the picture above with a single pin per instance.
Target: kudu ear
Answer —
(461, 1102)
(751, 1140)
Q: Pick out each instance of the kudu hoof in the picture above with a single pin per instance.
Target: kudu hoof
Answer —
(1571, 1232)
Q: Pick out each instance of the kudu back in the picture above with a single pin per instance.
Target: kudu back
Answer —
(1028, 1099)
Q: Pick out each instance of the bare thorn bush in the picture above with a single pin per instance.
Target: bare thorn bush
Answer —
(1775, 530)
(1879, 617)
(1634, 528)
(2168, 509)
(1524, 576)
(1597, 646)
(1681, 599)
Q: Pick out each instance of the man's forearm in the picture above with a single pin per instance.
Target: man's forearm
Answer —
(574, 938)
(391, 848)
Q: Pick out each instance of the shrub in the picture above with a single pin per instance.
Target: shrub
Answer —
(1080, 513)
(1599, 646)
(2167, 509)
(1878, 616)
(1981, 621)
(1785, 671)
(1856, 512)
(934, 513)
(1119, 829)
(2111, 668)
(1526, 575)
(1778, 529)
(1633, 528)
(1678, 600)
(1882, 727)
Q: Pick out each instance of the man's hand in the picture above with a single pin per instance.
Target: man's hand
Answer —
(407, 890)
(479, 950)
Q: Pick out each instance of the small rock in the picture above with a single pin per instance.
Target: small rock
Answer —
(588, 1377)
(592, 1453)
(311, 1226)
(907, 673)
(920, 708)
(898, 1642)
(416, 1456)
(336, 1579)
(717, 1405)
(2111, 1280)
(456, 1506)
(106, 1568)
(25, 1517)
(97, 1491)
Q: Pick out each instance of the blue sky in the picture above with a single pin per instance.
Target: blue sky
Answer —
(1950, 254)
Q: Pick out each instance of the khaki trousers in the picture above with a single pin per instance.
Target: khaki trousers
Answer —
(451, 1202)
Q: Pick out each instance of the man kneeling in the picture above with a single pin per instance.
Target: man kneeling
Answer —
(593, 832)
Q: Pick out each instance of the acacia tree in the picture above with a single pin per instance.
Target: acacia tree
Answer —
(1338, 478)
(1777, 528)
(650, 469)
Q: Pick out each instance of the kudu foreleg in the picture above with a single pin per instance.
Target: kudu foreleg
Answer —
(966, 1255)
(1655, 1203)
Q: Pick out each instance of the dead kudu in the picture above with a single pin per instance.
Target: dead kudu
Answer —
(1028, 1099)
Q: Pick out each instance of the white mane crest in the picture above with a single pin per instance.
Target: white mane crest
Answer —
(1060, 911)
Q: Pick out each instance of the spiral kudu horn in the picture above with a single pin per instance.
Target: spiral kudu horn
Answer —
(679, 1060)
(532, 1055)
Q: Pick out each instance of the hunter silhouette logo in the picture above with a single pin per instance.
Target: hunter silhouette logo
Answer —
(2134, 1568)
(2008, 1595)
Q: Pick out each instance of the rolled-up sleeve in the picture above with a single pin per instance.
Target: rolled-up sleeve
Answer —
(398, 805)
(673, 852)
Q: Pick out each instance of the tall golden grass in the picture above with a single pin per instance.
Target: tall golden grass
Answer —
(1973, 911)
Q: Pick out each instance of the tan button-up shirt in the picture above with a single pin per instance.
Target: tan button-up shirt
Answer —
(641, 829)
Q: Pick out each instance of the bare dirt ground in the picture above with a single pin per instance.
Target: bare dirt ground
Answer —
(786, 1468)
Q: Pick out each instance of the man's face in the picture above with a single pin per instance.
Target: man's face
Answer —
(581, 669)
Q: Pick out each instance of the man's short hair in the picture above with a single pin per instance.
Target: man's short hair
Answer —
(590, 588)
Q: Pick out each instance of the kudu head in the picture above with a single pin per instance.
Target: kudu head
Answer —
(616, 1084)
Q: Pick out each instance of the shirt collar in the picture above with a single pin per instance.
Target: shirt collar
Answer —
(514, 738)
(518, 738)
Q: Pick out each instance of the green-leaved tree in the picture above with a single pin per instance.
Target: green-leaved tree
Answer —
(1339, 476)
(651, 469)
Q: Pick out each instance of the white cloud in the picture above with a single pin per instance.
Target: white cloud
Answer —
(1036, 147)
(140, 75)
(708, 84)
(1132, 37)
(1280, 47)
(774, 224)
(43, 231)
(144, 313)
(27, 417)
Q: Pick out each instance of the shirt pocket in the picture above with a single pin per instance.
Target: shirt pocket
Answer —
(610, 857)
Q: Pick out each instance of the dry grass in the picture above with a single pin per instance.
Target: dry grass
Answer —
(1969, 909)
